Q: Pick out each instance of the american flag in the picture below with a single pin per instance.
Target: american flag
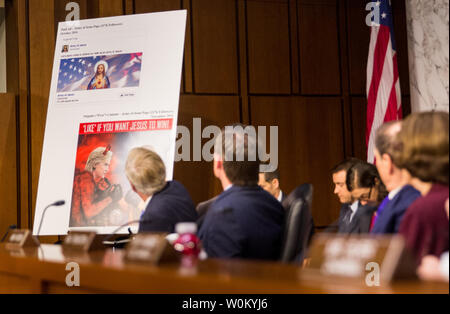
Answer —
(123, 71)
(383, 84)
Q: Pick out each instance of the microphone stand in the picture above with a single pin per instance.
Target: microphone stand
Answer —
(118, 229)
(59, 203)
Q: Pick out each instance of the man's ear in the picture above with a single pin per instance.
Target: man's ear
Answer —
(276, 183)
(133, 188)
(217, 166)
(389, 163)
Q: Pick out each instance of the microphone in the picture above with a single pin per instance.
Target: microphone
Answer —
(7, 231)
(123, 226)
(58, 203)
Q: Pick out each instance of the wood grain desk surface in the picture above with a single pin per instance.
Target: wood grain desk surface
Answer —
(43, 270)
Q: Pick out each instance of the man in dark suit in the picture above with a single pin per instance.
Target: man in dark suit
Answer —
(166, 203)
(270, 181)
(349, 205)
(361, 220)
(245, 221)
(365, 185)
(401, 195)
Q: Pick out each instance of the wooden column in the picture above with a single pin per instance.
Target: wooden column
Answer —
(17, 54)
(8, 162)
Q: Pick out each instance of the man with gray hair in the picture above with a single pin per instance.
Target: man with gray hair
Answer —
(244, 221)
(390, 212)
(166, 203)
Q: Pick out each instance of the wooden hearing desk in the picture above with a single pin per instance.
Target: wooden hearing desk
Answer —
(43, 270)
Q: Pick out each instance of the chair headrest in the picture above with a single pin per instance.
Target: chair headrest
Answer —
(304, 191)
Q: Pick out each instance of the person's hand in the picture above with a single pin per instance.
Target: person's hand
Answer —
(116, 192)
(429, 269)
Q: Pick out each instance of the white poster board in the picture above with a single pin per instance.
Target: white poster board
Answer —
(135, 104)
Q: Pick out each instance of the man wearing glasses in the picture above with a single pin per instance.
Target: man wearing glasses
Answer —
(364, 183)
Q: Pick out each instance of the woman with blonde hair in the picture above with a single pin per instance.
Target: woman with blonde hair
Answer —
(92, 191)
(422, 149)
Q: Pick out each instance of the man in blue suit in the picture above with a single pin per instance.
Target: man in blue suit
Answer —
(390, 212)
(244, 221)
(166, 203)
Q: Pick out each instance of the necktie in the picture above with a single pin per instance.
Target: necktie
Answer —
(346, 219)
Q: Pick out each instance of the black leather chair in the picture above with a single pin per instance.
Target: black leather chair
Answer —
(202, 209)
(299, 224)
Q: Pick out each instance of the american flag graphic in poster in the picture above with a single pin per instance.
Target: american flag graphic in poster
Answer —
(99, 72)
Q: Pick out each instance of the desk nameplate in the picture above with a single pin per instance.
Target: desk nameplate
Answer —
(81, 241)
(355, 257)
(151, 248)
(21, 238)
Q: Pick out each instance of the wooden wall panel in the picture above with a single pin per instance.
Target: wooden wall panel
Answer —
(106, 8)
(42, 43)
(243, 62)
(319, 47)
(358, 45)
(18, 83)
(187, 79)
(111, 8)
(215, 46)
(295, 57)
(268, 47)
(61, 13)
(345, 84)
(12, 46)
(8, 162)
(147, 6)
(308, 149)
(129, 7)
(2, 49)
(358, 121)
(220, 111)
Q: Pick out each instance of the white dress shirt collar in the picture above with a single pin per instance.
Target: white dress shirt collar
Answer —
(144, 206)
(393, 193)
(280, 196)
(354, 208)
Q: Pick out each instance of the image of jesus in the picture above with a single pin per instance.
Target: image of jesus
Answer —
(100, 80)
